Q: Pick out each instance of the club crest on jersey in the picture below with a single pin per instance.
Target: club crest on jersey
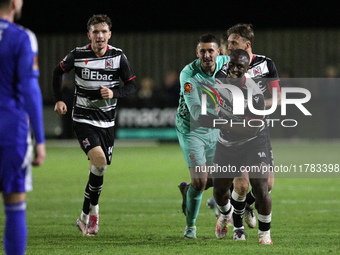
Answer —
(109, 63)
(257, 71)
(85, 73)
(187, 88)
(86, 143)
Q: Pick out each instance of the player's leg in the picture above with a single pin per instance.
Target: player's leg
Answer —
(194, 198)
(221, 195)
(95, 143)
(193, 148)
(263, 203)
(95, 184)
(238, 197)
(15, 172)
(15, 234)
(249, 214)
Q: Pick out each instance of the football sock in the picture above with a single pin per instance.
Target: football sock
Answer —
(15, 233)
(239, 206)
(264, 222)
(94, 209)
(250, 198)
(86, 204)
(225, 209)
(95, 187)
(194, 199)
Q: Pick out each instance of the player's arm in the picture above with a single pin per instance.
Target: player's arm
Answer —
(249, 129)
(28, 73)
(64, 66)
(235, 127)
(273, 85)
(190, 93)
(128, 77)
(273, 82)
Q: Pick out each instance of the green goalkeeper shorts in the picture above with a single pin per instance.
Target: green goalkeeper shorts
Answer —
(198, 148)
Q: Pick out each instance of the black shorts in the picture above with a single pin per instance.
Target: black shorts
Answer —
(90, 136)
(231, 161)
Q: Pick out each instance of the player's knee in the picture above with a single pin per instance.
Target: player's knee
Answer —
(261, 192)
(270, 184)
(199, 183)
(98, 170)
(241, 186)
(220, 191)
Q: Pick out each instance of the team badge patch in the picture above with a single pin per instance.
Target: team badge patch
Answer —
(257, 71)
(86, 143)
(109, 63)
(187, 88)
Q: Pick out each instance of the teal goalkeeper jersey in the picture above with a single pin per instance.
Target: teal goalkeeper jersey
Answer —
(194, 83)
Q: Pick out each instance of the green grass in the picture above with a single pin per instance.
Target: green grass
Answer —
(140, 205)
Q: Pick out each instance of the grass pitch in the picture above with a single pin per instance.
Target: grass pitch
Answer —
(140, 205)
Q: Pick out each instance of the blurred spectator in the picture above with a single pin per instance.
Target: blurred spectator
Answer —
(329, 94)
(148, 96)
(170, 89)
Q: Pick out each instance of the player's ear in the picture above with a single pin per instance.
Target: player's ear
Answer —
(89, 36)
(248, 45)
(218, 50)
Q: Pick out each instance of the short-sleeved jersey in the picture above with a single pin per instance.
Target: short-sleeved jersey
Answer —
(226, 110)
(20, 95)
(92, 71)
(194, 82)
(263, 70)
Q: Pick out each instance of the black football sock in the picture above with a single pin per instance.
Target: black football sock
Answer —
(95, 187)
(250, 198)
(86, 204)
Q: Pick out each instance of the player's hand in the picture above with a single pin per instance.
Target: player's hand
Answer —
(39, 154)
(60, 108)
(217, 109)
(207, 120)
(106, 92)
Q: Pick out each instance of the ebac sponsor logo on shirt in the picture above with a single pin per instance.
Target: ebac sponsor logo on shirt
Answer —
(87, 74)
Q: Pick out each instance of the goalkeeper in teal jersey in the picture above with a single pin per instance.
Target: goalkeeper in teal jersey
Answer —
(197, 143)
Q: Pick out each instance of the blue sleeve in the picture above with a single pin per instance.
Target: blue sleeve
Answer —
(28, 73)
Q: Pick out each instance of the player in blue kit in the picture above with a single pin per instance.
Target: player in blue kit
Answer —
(20, 108)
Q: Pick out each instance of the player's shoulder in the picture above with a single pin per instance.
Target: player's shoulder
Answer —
(84, 48)
(222, 59)
(261, 58)
(22, 34)
(191, 69)
(251, 84)
(114, 51)
(110, 47)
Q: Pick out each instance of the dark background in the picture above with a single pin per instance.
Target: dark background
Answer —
(53, 17)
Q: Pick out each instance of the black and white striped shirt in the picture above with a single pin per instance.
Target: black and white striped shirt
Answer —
(91, 72)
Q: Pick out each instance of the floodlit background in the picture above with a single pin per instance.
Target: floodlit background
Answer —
(159, 39)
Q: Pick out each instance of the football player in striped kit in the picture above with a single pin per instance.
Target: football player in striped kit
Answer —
(242, 147)
(98, 69)
(263, 71)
